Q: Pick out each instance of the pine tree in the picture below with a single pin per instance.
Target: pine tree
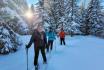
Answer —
(92, 23)
(11, 23)
(56, 13)
(83, 16)
(72, 17)
(8, 40)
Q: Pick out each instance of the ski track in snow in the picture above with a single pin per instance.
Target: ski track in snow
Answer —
(80, 53)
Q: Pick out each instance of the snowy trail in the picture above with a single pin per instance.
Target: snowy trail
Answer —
(80, 53)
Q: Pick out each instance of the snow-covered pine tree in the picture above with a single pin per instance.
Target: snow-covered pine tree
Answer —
(72, 17)
(41, 11)
(60, 14)
(93, 24)
(55, 13)
(9, 40)
(83, 16)
(11, 21)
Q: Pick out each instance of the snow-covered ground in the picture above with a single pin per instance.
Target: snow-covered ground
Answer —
(80, 53)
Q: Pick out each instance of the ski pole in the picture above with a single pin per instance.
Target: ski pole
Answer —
(55, 45)
(27, 57)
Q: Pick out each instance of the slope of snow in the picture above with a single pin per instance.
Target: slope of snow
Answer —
(80, 53)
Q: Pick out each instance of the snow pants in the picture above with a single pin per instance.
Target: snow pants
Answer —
(50, 45)
(62, 41)
(37, 49)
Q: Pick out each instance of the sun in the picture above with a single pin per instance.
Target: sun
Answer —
(29, 14)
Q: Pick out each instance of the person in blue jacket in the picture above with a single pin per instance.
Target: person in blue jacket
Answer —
(51, 38)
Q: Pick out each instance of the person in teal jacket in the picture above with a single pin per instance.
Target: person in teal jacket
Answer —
(51, 37)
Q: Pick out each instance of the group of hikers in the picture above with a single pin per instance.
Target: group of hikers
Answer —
(44, 41)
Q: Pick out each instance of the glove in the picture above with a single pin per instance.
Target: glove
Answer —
(27, 46)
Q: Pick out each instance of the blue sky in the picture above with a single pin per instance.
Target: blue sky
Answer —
(32, 1)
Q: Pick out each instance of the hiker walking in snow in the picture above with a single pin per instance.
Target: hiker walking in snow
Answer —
(40, 41)
(51, 38)
(62, 36)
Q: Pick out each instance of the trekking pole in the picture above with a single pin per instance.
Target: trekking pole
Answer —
(27, 57)
(55, 45)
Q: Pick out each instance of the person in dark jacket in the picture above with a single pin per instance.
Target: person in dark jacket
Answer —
(51, 38)
(40, 41)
